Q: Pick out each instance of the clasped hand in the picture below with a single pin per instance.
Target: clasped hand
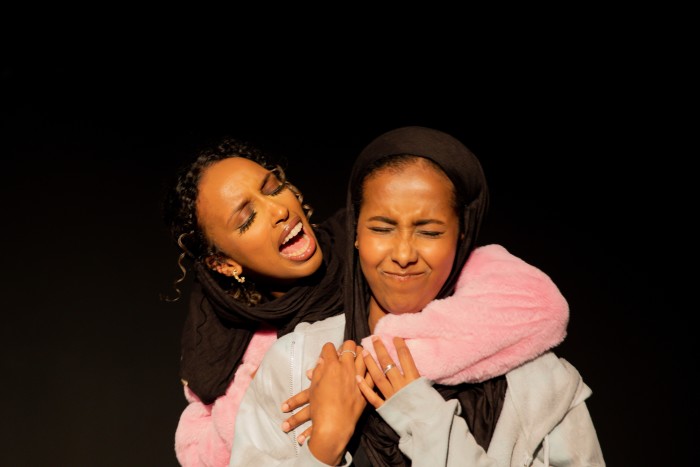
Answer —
(343, 381)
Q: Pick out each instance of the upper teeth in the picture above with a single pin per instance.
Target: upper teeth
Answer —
(293, 233)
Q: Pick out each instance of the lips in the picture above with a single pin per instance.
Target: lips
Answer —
(295, 243)
(402, 276)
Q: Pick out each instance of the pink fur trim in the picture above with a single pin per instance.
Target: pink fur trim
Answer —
(504, 312)
(205, 432)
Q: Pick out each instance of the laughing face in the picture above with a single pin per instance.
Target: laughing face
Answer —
(256, 223)
(407, 235)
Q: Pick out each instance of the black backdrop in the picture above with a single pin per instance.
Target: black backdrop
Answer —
(584, 185)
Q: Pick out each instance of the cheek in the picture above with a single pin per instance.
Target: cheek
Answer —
(440, 258)
(243, 247)
(371, 252)
(369, 264)
(254, 242)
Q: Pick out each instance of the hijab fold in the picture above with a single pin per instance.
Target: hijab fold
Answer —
(465, 172)
(481, 402)
(219, 328)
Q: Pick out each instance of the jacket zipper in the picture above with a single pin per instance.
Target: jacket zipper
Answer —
(291, 393)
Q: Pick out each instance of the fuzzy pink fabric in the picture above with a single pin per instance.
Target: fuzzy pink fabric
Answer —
(205, 432)
(504, 312)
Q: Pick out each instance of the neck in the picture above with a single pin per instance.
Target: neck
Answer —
(375, 314)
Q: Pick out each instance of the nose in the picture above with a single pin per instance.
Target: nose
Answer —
(278, 211)
(404, 252)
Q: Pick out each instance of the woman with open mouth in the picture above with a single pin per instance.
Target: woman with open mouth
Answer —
(260, 268)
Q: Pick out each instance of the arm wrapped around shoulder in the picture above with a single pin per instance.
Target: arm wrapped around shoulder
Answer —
(504, 312)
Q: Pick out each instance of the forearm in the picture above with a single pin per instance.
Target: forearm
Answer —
(197, 440)
(266, 445)
(205, 432)
(327, 445)
(263, 442)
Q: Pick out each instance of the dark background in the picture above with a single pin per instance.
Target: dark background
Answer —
(587, 184)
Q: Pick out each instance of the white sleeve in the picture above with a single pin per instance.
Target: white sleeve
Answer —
(430, 429)
(259, 439)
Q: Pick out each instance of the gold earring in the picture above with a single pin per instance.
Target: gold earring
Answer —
(240, 279)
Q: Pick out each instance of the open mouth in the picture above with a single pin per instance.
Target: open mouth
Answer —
(297, 245)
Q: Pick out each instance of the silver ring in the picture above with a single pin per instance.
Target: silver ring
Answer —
(388, 367)
(354, 355)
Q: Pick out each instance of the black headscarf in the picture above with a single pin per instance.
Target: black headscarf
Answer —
(481, 403)
(218, 328)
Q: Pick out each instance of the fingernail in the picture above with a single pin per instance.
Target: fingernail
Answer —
(358, 378)
(285, 407)
(301, 439)
(285, 426)
(375, 338)
(365, 353)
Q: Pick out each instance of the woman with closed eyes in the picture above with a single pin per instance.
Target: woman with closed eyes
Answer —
(260, 268)
(465, 319)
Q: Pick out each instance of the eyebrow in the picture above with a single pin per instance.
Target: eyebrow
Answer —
(243, 203)
(236, 210)
(419, 222)
(265, 179)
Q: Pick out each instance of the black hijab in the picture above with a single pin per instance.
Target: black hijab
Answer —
(218, 328)
(481, 403)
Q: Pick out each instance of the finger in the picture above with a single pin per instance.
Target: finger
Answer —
(377, 375)
(369, 380)
(296, 401)
(305, 435)
(360, 367)
(371, 396)
(328, 356)
(385, 359)
(347, 351)
(299, 418)
(408, 365)
(390, 381)
(328, 351)
(371, 364)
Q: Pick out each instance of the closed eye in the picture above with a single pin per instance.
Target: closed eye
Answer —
(430, 233)
(381, 229)
(271, 186)
(249, 220)
(274, 182)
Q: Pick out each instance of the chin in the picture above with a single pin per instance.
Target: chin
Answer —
(402, 310)
(309, 266)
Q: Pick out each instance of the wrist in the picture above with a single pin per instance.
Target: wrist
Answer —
(328, 446)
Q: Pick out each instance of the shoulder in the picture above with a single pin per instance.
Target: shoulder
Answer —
(495, 270)
(547, 377)
(546, 364)
(495, 258)
(325, 325)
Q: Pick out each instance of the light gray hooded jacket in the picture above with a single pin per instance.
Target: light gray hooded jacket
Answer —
(544, 419)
